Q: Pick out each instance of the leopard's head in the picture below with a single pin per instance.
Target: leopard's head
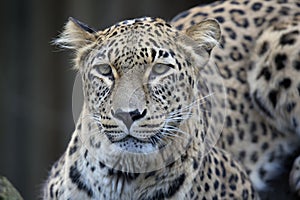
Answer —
(141, 85)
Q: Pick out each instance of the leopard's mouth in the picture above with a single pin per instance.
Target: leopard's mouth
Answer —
(155, 139)
(142, 141)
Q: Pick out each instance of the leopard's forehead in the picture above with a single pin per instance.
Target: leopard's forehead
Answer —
(144, 20)
(142, 28)
(136, 42)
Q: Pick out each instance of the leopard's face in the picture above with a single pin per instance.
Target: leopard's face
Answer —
(139, 82)
(133, 87)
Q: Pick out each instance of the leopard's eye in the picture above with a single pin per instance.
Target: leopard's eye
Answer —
(160, 69)
(104, 69)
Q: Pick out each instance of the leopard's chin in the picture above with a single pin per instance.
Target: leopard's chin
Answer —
(133, 144)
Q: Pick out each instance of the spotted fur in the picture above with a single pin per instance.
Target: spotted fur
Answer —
(259, 61)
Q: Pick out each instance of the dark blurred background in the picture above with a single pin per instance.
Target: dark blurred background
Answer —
(36, 79)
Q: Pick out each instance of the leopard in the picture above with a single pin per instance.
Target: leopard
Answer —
(258, 58)
(276, 97)
(146, 127)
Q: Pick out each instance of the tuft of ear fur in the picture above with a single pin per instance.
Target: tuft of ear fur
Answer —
(206, 33)
(75, 35)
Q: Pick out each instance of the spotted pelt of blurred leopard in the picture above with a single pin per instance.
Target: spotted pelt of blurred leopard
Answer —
(259, 59)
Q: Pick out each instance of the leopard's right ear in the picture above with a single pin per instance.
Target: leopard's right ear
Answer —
(75, 35)
(207, 33)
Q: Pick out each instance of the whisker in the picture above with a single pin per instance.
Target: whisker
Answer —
(92, 119)
(91, 115)
(173, 128)
(92, 133)
(195, 103)
(159, 140)
(180, 116)
(185, 112)
(170, 135)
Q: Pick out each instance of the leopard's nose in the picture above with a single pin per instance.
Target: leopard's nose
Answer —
(128, 117)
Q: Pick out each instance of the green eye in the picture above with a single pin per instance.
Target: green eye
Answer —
(104, 69)
(159, 69)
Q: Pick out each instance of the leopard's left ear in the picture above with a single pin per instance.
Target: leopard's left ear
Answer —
(206, 33)
(75, 35)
